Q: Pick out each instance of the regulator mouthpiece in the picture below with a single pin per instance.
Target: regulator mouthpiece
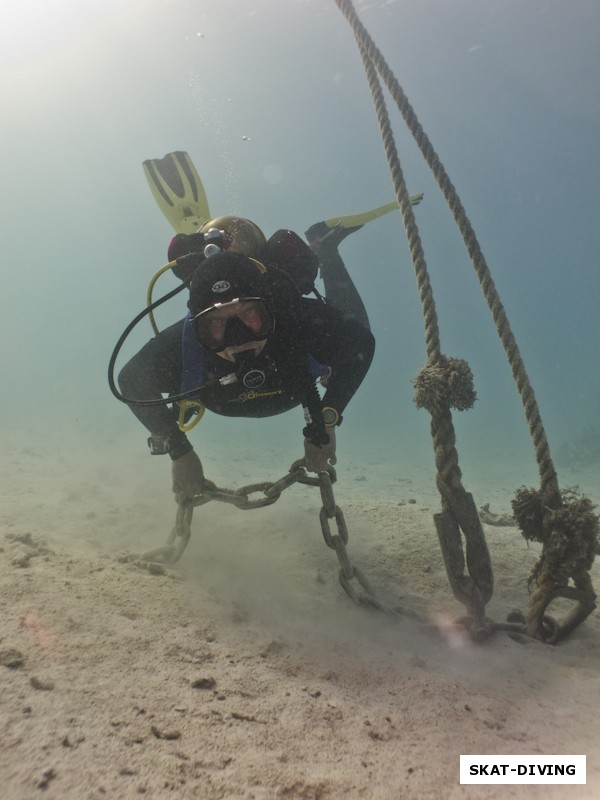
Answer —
(211, 250)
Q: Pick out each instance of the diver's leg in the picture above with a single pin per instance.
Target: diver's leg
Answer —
(340, 290)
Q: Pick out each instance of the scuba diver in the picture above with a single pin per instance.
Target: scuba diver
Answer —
(251, 343)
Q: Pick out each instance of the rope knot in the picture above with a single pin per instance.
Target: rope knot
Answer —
(569, 534)
(447, 383)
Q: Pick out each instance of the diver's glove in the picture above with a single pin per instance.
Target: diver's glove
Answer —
(188, 477)
(317, 459)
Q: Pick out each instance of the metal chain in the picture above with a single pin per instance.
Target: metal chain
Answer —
(240, 498)
(338, 542)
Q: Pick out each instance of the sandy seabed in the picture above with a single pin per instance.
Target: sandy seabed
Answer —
(245, 671)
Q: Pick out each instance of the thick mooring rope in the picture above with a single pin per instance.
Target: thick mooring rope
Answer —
(568, 550)
(458, 515)
(449, 475)
(372, 55)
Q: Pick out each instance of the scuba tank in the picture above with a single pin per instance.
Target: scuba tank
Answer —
(284, 250)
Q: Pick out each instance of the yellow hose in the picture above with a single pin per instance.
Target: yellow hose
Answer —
(155, 277)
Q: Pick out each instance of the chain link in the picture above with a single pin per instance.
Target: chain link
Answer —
(240, 498)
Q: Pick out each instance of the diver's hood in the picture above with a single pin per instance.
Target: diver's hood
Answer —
(225, 277)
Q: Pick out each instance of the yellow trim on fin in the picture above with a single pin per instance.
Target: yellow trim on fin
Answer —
(178, 191)
(356, 220)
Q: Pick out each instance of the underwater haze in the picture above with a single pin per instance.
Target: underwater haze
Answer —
(270, 100)
(244, 670)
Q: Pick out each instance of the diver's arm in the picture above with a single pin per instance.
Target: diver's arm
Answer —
(347, 347)
(153, 372)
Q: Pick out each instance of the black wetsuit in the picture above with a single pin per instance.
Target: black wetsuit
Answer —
(275, 380)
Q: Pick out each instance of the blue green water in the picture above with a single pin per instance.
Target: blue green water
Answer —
(270, 100)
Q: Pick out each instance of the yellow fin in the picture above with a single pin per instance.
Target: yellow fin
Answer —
(178, 191)
(356, 220)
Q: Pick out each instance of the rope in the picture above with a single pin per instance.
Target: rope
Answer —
(372, 55)
(432, 334)
(578, 541)
(432, 389)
